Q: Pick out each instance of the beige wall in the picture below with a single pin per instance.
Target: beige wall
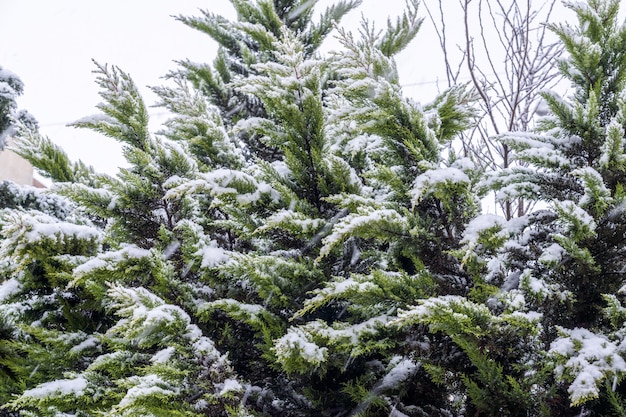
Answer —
(14, 167)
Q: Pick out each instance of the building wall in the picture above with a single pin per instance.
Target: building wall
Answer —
(15, 168)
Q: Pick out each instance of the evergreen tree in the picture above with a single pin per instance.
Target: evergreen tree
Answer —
(390, 247)
(10, 88)
(154, 281)
(534, 324)
(103, 297)
(205, 246)
(564, 264)
(300, 239)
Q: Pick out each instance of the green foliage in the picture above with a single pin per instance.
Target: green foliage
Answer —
(399, 34)
(301, 239)
(124, 115)
(50, 160)
(501, 378)
(566, 261)
(249, 41)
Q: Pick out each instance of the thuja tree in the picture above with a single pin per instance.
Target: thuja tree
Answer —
(390, 244)
(468, 346)
(129, 303)
(564, 264)
(100, 292)
(138, 239)
(263, 286)
(529, 318)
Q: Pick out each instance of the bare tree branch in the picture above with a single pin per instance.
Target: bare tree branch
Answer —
(506, 54)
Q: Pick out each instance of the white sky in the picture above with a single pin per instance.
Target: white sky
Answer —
(50, 45)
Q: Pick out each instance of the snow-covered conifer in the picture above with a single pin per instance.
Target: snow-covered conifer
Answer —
(566, 260)
(10, 88)
(109, 292)
(391, 244)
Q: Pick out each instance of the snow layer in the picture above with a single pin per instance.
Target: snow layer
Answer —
(591, 358)
(8, 288)
(434, 177)
(298, 341)
(229, 385)
(59, 387)
(146, 386)
(402, 370)
(109, 260)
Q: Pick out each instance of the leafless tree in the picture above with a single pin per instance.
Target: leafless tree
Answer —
(508, 55)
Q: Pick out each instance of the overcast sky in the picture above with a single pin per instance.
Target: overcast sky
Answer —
(50, 45)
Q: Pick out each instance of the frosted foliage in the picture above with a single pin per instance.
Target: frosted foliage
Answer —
(212, 255)
(430, 306)
(481, 224)
(293, 219)
(22, 231)
(34, 227)
(589, 359)
(464, 311)
(145, 386)
(145, 321)
(364, 67)
(545, 157)
(110, 260)
(536, 148)
(530, 316)
(366, 143)
(526, 140)
(290, 68)
(552, 254)
(36, 198)
(402, 369)
(42, 231)
(250, 309)
(366, 218)
(88, 343)
(149, 321)
(496, 267)
(10, 85)
(432, 178)
(296, 342)
(538, 286)
(338, 288)
(491, 226)
(163, 355)
(229, 385)
(9, 288)
(613, 147)
(59, 387)
(577, 217)
(96, 118)
(221, 182)
(519, 182)
(341, 332)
